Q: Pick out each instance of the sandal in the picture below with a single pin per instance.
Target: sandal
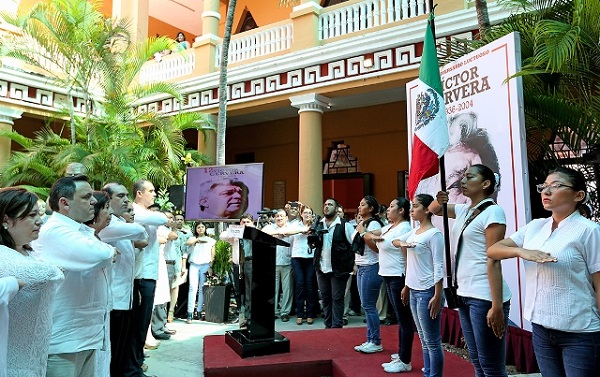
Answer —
(298, 321)
(309, 321)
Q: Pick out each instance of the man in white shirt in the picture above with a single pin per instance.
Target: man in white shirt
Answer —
(283, 265)
(241, 254)
(81, 303)
(334, 261)
(146, 272)
(162, 296)
(120, 234)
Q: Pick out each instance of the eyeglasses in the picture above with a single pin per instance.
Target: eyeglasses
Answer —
(551, 187)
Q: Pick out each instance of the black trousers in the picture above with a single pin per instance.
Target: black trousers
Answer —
(120, 339)
(143, 304)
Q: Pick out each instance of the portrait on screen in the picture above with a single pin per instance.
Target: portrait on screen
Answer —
(223, 192)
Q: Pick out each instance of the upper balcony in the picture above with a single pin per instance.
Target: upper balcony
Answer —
(309, 26)
(314, 42)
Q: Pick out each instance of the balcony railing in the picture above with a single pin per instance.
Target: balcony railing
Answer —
(168, 67)
(256, 43)
(368, 14)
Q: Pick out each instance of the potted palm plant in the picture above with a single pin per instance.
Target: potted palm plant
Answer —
(218, 292)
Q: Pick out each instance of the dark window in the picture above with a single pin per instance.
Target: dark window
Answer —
(244, 158)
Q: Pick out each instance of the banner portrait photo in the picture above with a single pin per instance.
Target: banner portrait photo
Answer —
(486, 126)
(223, 193)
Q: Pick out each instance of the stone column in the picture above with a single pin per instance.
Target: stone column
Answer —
(310, 161)
(211, 17)
(205, 46)
(137, 12)
(7, 120)
(207, 141)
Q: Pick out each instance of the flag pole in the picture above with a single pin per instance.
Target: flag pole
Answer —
(443, 183)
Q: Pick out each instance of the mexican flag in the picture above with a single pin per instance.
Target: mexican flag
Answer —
(430, 129)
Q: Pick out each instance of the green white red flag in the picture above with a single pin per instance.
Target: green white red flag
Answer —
(430, 140)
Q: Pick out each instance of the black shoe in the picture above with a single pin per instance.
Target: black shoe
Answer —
(285, 318)
(162, 336)
(169, 331)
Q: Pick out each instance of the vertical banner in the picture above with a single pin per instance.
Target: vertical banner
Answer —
(485, 126)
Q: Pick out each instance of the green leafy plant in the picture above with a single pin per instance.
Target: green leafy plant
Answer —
(221, 264)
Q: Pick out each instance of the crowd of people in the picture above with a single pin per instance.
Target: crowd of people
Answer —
(84, 290)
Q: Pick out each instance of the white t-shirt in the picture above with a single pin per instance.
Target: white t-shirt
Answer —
(391, 258)
(472, 276)
(560, 295)
(425, 261)
(370, 257)
(200, 253)
(299, 243)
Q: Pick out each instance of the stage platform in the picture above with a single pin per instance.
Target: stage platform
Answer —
(321, 353)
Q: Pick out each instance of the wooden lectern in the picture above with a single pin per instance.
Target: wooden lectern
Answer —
(260, 338)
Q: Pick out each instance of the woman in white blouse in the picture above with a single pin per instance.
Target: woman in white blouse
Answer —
(424, 272)
(392, 268)
(200, 257)
(485, 294)
(561, 256)
(367, 276)
(304, 269)
(30, 317)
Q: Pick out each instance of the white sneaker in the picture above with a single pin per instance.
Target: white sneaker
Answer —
(395, 357)
(398, 367)
(359, 347)
(371, 348)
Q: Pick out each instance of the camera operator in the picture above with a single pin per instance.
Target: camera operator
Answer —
(334, 261)
(265, 217)
(293, 212)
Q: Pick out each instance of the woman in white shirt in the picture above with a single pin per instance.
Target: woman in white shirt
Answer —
(424, 272)
(485, 294)
(562, 267)
(392, 268)
(367, 276)
(102, 216)
(201, 254)
(30, 311)
(304, 268)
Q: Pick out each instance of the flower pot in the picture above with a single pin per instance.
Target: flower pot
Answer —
(216, 303)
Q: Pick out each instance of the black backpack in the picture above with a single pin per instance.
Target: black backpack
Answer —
(358, 243)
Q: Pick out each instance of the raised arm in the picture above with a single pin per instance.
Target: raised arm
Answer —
(120, 230)
(507, 248)
(436, 206)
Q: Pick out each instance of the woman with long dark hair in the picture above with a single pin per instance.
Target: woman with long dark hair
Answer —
(368, 279)
(485, 294)
(30, 311)
(200, 257)
(392, 268)
(424, 247)
(562, 267)
(101, 219)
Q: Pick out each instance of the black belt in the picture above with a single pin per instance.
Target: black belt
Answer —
(248, 259)
(170, 262)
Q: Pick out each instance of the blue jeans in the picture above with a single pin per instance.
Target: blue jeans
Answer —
(429, 331)
(369, 283)
(487, 351)
(406, 330)
(561, 353)
(304, 272)
(197, 278)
